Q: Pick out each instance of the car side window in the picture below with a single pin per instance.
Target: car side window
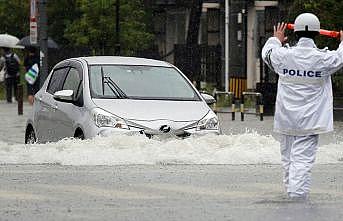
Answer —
(56, 80)
(72, 81)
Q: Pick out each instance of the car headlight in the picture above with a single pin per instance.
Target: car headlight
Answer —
(102, 118)
(209, 122)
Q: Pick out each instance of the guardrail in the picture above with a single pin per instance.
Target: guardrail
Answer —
(224, 98)
(227, 99)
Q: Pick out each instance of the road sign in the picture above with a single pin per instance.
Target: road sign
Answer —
(33, 22)
(33, 32)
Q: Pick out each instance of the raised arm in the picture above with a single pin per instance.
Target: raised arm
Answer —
(272, 51)
(334, 59)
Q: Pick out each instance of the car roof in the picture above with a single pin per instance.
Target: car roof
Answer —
(119, 60)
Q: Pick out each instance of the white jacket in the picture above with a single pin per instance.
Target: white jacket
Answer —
(304, 103)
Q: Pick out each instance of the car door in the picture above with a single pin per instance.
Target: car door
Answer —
(66, 113)
(45, 123)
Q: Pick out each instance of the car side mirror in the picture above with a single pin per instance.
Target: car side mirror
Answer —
(64, 96)
(208, 98)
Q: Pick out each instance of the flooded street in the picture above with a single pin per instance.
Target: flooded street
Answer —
(164, 192)
(235, 176)
(131, 108)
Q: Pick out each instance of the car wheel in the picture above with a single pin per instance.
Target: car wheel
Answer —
(30, 136)
(79, 135)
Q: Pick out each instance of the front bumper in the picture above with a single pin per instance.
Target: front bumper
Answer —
(107, 131)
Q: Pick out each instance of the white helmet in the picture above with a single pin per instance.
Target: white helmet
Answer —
(307, 22)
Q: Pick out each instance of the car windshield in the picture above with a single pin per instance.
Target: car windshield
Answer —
(139, 82)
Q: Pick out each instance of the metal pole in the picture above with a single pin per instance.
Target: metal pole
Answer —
(261, 106)
(242, 107)
(227, 14)
(20, 98)
(43, 40)
(117, 44)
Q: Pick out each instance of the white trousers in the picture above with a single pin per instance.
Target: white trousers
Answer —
(298, 155)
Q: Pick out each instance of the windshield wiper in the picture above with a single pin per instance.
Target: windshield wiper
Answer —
(112, 85)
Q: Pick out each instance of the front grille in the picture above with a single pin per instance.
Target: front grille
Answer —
(183, 135)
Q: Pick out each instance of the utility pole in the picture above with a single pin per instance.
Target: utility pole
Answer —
(43, 40)
(227, 16)
(117, 44)
(244, 41)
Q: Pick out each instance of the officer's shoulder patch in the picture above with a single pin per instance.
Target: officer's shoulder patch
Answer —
(323, 49)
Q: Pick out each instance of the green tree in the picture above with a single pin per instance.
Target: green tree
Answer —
(14, 17)
(61, 14)
(95, 28)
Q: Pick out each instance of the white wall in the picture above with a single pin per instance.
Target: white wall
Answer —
(253, 60)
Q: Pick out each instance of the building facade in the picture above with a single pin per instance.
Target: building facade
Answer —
(250, 24)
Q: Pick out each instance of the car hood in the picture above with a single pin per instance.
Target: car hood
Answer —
(150, 110)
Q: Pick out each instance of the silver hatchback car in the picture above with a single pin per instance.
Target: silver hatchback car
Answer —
(90, 96)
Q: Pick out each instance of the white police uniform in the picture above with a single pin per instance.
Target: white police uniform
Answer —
(304, 106)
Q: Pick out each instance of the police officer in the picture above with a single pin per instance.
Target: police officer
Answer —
(304, 106)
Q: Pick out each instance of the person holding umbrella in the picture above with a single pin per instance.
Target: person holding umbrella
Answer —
(25, 41)
(31, 64)
(10, 62)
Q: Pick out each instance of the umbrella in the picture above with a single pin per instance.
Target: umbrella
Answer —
(9, 41)
(25, 41)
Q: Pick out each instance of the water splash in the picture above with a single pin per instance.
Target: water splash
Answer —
(246, 148)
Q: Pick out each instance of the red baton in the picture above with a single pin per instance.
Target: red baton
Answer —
(332, 34)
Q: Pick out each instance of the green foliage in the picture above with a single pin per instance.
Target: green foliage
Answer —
(14, 17)
(224, 101)
(2, 91)
(85, 23)
(61, 14)
(95, 27)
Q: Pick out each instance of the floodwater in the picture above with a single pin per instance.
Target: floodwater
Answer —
(248, 148)
(248, 142)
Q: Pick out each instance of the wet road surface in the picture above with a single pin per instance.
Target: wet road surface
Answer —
(164, 192)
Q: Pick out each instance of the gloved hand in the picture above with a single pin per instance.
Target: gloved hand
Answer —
(279, 32)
